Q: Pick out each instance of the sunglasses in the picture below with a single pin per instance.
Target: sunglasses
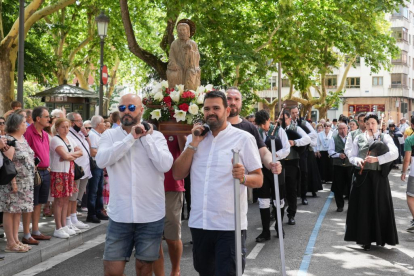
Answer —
(131, 108)
(2, 123)
(88, 128)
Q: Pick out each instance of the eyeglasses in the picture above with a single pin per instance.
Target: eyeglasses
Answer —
(69, 148)
(131, 107)
(2, 123)
(88, 128)
(46, 116)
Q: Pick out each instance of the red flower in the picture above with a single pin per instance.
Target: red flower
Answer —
(188, 94)
(169, 90)
(167, 99)
(184, 107)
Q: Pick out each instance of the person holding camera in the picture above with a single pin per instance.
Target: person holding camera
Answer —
(79, 134)
(63, 153)
(17, 197)
(136, 159)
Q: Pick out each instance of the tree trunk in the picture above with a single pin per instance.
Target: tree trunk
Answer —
(323, 111)
(7, 67)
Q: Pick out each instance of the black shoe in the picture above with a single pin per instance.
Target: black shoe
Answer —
(102, 216)
(314, 194)
(366, 247)
(93, 219)
(340, 209)
(263, 237)
(291, 221)
(304, 201)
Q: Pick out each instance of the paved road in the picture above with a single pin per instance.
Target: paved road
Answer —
(330, 255)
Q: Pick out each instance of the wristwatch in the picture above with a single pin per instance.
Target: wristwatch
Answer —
(191, 147)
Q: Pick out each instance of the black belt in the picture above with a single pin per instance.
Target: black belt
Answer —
(42, 169)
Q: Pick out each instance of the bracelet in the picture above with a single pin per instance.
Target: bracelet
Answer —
(86, 136)
(244, 180)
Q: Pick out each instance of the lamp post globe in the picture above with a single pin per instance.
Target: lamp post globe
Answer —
(102, 22)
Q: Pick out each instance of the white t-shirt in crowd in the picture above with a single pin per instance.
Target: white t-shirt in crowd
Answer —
(55, 164)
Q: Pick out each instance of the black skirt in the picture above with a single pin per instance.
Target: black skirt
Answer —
(370, 216)
(314, 178)
(326, 167)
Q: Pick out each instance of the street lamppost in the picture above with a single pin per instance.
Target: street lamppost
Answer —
(102, 22)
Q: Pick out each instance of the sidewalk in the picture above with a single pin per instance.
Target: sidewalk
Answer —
(16, 262)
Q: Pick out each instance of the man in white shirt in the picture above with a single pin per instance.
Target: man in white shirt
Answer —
(96, 183)
(79, 134)
(136, 164)
(209, 158)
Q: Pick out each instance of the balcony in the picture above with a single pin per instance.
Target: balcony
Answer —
(268, 93)
(400, 68)
(399, 21)
(398, 90)
(403, 45)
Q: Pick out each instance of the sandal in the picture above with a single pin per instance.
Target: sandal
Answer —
(25, 246)
(15, 249)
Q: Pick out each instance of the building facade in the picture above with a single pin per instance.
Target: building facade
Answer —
(390, 92)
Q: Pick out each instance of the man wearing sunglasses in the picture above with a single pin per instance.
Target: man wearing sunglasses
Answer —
(136, 164)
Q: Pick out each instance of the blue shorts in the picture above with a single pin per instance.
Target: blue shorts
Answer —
(122, 237)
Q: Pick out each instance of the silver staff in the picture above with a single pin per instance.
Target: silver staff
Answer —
(237, 222)
(279, 217)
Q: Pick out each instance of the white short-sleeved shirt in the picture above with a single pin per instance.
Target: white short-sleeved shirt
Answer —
(55, 164)
(212, 183)
(94, 138)
(81, 143)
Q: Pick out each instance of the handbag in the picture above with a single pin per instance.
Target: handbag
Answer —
(79, 173)
(37, 178)
(7, 171)
(92, 162)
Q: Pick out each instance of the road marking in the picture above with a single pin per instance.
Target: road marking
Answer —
(48, 264)
(256, 250)
(304, 266)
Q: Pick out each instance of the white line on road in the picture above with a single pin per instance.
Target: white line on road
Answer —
(256, 250)
(48, 264)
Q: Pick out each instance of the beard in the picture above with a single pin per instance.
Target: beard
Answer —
(128, 120)
(234, 111)
(218, 123)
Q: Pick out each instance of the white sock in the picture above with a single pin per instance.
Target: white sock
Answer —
(68, 221)
(74, 218)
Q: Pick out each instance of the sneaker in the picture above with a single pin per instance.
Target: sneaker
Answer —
(84, 209)
(21, 227)
(69, 231)
(61, 234)
(74, 228)
(81, 225)
(411, 228)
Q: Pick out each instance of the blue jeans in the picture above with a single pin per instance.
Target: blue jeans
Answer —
(95, 189)
(121, 238)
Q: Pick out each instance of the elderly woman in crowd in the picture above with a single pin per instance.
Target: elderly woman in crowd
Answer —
(62, 154)
(353, 125)
(88, 125)
(17, 197)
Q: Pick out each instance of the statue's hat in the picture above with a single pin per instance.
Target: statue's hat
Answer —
(189, 23)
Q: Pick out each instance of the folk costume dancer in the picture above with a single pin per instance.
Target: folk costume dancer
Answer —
(342, 171)
(348, 146)
(267, 191)
(370, 216)
(325, 169)
(310, 180)
(292, 172)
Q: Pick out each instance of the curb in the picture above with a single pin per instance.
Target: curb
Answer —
(17, 262)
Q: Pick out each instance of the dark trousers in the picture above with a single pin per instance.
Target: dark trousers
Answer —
(214, 252)
(303, 164)
(292, 178)
(342, 178)
(187, 195)
(95, 189)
